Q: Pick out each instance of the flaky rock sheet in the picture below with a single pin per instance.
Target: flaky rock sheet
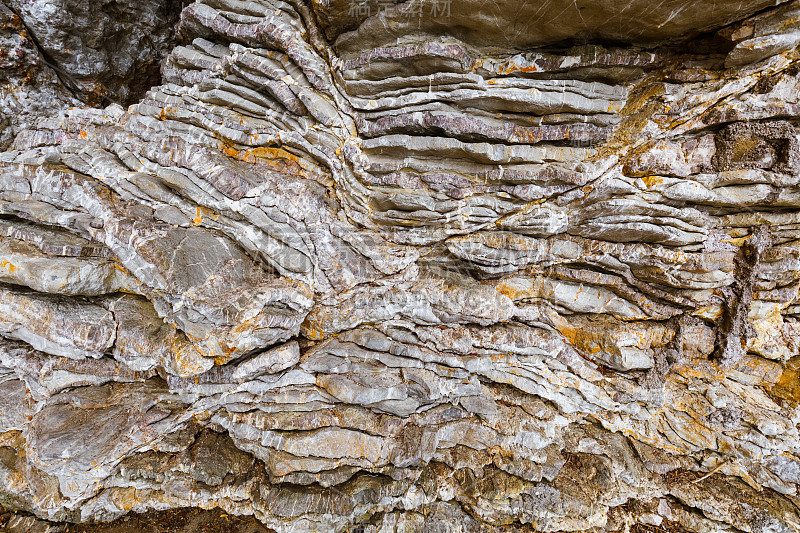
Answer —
(440, 265)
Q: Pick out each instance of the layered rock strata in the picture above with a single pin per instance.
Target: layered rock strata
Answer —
(420, 266)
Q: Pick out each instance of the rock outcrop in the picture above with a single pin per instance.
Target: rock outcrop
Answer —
(436, 265)
(29, 88)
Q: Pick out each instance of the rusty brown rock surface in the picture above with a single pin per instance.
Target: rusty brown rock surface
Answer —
(419, 266)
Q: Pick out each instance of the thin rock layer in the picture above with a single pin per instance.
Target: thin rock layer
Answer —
(416, 267)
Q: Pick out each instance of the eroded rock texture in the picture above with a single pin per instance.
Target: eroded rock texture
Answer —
(420, 266)
(29, 88)
(103, 50)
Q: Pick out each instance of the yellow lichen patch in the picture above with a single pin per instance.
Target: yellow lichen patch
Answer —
(652, 181)
(121, 268)
(637, 112)
(226, 351)
(591, 336)
(186, 356)
(511, 66)
(709, 312)
(738, 241)
(277, 158)
(790, 22)
(585, 341)
(530, 136)
(705, 372)
(189, 361)
(689, 429)
(8, 266)
(519, 288)
(203, 212)
(125, 498)
(788, 386)
(311, 328)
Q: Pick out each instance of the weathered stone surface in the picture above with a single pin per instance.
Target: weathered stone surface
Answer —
(105, 51)
(407, 267)
(29, 88)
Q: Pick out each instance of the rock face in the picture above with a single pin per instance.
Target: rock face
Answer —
(60, 53)
(29, 89)
(104, 50)
(420, 266)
